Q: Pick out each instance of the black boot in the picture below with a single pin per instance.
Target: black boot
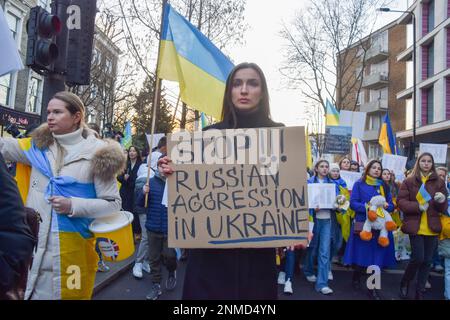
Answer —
(419, 295)
(356, 280)
(404, 288)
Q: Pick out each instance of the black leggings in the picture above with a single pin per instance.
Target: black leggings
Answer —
(422, 251)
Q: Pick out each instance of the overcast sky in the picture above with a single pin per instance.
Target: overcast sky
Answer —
(263, 46)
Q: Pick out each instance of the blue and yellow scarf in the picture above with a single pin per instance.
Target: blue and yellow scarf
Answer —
(76, 264)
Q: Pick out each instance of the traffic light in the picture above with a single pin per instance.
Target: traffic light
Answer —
(79, 48)
(42, 27)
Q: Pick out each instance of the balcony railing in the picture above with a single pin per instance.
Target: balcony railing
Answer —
(375, 81)
(374, 106)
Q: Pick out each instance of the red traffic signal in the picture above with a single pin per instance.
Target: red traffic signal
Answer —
(42, 27)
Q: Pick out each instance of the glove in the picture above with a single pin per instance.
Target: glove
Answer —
(423, 207)
(439, 197)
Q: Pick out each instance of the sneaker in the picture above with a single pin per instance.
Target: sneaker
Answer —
(171, 281)
(330, 275)
(326, 290)
(312, 278)
(288, 287)
(146, 266)
(282, 277)
(137, 270)
(102, 267)
(428, 285)
(155, 293)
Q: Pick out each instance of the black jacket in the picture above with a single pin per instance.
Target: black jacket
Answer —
(127, 186)
(16, 239)
(233, 274)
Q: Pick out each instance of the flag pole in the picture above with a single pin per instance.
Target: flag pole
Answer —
(156, 101)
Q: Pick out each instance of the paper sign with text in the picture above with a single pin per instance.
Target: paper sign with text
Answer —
(321, 195)
(394, 163)
(238, 188)
(350, 178)
(439, 151)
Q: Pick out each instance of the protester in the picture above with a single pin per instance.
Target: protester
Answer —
(340, 222)
(142, 258)
(73, 176)
(358, 252)
(156, 226)
(127, 181)
(422, 199)
(16, 239)
(235, 273)
(354, 166)
(388, 178)
(344, 163)
(321, 241)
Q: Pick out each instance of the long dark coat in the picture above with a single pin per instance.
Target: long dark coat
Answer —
(16, 239)
(235, 274)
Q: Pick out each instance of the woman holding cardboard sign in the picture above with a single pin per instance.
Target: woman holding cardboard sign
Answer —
(235, 273)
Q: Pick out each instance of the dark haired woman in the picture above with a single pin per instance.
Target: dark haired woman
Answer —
(358, 252)
(127, 180)
(235, 273)
(422, 199)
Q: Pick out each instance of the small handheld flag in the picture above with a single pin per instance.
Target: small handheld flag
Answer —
(423, 196)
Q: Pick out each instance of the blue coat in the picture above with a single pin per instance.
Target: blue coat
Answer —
(366, 253)
(156, 212)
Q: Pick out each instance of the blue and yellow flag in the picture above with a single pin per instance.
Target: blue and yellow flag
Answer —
(191, 59)
(423, 196)
(76, 243)
(332, 116)
(387, 137)
(204, 120)
(127, 139)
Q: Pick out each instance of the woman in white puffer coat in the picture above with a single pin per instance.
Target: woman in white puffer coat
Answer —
(73, 180)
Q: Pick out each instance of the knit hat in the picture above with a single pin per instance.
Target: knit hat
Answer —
(334, 166)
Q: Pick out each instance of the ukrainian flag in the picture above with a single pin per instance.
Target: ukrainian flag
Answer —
(423, 196)
(332, 116)
(191, 59)
(127, 139)
(387, 137)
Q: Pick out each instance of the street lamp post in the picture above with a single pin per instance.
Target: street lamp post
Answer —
(412, 149)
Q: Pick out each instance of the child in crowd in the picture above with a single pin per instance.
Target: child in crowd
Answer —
(156, 225)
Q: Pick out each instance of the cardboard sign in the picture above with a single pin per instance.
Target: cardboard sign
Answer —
(439, 151)
(350, 178)
(238, 188)
(394, 163)
(321, 195)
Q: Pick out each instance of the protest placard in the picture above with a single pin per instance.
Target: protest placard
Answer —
(350, 178)
(238, 188)
(439, 151)
(321, 195)
(338, 140)
(354, 119)
(394, 163)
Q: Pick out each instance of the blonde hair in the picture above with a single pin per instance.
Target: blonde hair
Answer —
(73, 104)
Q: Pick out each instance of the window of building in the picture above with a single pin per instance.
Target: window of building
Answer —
(94, 91)
(381, 68)
(409, 114)
(360, 98)
(381, 94)
(35, 94)
(374, 151)
(108, 65)
(430, 19)
(5, 89)
(381, 41)
(430, 68)
(96, 56)
(409, 73)
(427, 105)
(14, 21)
(374, 122)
